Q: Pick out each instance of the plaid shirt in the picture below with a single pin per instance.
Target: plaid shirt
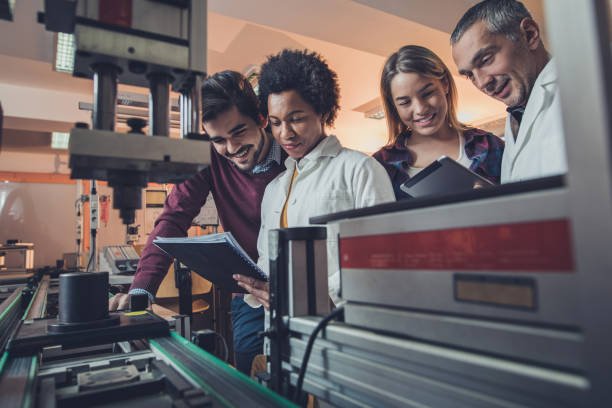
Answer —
(483, 148)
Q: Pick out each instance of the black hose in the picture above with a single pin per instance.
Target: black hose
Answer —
(298, 388)
(224, 347)
(92, 248)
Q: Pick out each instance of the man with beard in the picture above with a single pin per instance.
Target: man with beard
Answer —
(244, 159)
(497, 45)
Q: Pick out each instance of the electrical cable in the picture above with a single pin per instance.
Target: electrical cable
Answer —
(93, 213)
(298, 387)
(217, 335)
(92, 250)
(77, 206)
(224, 347)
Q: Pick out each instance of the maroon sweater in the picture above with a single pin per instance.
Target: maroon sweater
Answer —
(237, 197)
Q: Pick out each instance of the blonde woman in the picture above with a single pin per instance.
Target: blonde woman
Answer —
(420, 102)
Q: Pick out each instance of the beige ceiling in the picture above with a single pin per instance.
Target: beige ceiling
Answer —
(354, 36)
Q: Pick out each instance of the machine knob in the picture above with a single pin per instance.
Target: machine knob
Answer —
(136, 125)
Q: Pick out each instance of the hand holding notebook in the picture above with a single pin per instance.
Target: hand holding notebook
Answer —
(215, 257)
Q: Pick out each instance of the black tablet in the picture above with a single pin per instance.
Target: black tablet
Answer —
(444, 176)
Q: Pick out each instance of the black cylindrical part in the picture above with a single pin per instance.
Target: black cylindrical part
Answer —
(83, 297)
(136, 125)
(185, 108)
(127, 215)
(196, 105)
(127, 192)
(105, 96)
(190, 104)
(159, 104)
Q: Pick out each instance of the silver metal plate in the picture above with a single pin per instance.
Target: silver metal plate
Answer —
(106, 377)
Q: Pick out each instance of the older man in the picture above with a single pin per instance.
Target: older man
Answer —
(497, 45)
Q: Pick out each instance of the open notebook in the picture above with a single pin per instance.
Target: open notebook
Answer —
(215, 257)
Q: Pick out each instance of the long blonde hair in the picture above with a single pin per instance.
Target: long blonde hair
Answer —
(419, 60)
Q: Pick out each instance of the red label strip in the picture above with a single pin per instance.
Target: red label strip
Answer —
(543, 246)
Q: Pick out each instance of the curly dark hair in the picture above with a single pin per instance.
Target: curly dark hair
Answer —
(305, 72)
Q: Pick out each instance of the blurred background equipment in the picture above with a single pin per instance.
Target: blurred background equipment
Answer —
(119, 259)
(7, 8)
(16, 257)
(134, 358)
(133, 43)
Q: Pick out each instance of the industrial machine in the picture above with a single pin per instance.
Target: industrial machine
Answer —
(87, 356)
(61, 346)
(493, 298)
(16, 257)
(119, 259)
(155, 44)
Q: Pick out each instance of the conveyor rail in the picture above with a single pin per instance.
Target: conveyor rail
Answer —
(214, 376)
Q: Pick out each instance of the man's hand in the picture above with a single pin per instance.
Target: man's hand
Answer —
(120, 301)
(256, 287)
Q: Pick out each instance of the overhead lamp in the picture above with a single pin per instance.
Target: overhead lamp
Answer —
(7, 9)
(251, 73)
(64, 53)
(372, 109)
(59, 140)
(376, 113)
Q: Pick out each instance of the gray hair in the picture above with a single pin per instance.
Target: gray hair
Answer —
(500, 16)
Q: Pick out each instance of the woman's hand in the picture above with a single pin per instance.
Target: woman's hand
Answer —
(256, 287)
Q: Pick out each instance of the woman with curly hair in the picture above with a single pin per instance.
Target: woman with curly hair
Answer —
(299, 94)
(420, 101)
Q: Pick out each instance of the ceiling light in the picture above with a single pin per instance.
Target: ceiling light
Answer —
(64, 52)
(251, 73)
(376, 113)
(59, 140)
(372, 109)
(7, 9)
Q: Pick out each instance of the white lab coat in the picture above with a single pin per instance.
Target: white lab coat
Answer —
(329, 179)
(539, 149)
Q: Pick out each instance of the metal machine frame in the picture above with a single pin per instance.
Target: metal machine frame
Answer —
(140, 43)
(150, 367)
(524, 325)
(580, 36)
